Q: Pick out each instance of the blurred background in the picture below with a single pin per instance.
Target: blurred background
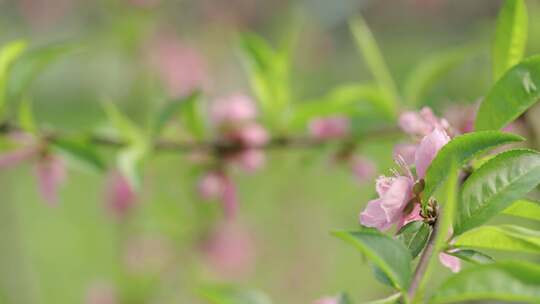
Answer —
(142, 53)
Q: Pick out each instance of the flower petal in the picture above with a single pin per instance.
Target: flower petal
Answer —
(428, 149)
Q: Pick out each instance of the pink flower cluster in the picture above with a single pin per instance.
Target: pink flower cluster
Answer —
(338, 127)
(234, 118)
(120, 197)
(49, 169)
(399, 202)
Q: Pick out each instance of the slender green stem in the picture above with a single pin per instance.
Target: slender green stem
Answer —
(424, 261)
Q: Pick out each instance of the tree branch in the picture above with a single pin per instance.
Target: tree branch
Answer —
(215, 145)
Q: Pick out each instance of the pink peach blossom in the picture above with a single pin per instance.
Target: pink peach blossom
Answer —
(250, 160)
(181, 67)
(329, 127)
(230, 250)
(51, 173)
(421, 123)
(406, 152)
(253, 135)
(15, 157)
(381, 213)
(449, 261)
(120, 197)
(327, 300)
(428, 149)
(101, 293)
(211, 186)
(363, 168)
(233, 109)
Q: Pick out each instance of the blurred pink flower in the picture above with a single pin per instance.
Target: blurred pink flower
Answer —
(211, 185)
(101, 293)
(329, 127)
(233, 109)
(120, 197)
(230, 250)
(421, 123)
(15, 157)
(41, 14)
(461, 117)
(253, 135)
(449, 261)
(250, 160)
(51, 173)
(327, 300)
(406, 152)
(363, 168)
(181, 68)
(217, 185)
(428, 149)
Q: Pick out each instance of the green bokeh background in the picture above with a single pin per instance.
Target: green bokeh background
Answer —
(53, 255)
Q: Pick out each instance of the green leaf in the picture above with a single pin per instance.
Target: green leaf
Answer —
(343, 298)
(131, 158)
(80, 152)
(510, 36)
(505, 237)
(174, 108)
(193, 118)
(387, 254)
(431, 70)
(372, 56)
(462, 148)
(268, 74)
(516, 91)
(347, 100)
(525, 209)
(514, 281)
(8, 54)
(26, 117)
(389, 300)
(28, 66)
(414, 236)
(494, 186)
(472, 256)
(232, 295)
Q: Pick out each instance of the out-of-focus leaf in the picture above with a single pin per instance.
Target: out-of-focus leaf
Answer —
(472, 256)
(268, 74)
(80, 152)
(510, 36)
(347, 100)
(192, 116)
(175, 108)
(8, 54)
(514, 281)
(231, 295)
(373, 58)
(431, 70)
(26, 117)
(343, 298)
(462, 148)
(505, 237)
(414, 236)
(516, 91)
(28, 66)
(131, 158)
(525, 209)
(391, 256)
(494, 186)
(389, 300)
